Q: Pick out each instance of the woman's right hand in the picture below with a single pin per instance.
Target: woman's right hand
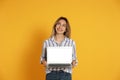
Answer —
(44, 63)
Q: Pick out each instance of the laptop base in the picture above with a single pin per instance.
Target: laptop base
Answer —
(59, 65)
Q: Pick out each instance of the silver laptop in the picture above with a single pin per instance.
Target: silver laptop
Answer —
(59, 56)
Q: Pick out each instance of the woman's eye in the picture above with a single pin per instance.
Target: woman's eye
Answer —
(58, 23)
(64, 25)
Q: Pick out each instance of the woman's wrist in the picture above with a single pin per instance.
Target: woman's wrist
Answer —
(44, 63)
(74, 63)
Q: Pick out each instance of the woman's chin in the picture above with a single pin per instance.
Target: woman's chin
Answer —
(60, 32)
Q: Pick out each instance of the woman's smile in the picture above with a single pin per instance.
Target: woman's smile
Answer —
(59, 29)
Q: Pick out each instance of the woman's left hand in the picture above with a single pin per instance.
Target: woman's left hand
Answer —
(73, 63)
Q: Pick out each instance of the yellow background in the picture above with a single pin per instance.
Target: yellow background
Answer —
(25, 24)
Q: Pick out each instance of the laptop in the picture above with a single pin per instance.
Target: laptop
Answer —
(59, 56)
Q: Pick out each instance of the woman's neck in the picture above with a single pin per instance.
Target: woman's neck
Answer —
(59, 38)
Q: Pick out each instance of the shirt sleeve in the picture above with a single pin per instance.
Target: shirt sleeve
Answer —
(74, 56)
(43, 55)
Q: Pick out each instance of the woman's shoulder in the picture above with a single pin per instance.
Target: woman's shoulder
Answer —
(70, 39)
(47, 39)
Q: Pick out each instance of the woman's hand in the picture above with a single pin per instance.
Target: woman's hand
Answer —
(44, 63)
(73, 63)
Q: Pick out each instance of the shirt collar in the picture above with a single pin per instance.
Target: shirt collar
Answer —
(53, 39)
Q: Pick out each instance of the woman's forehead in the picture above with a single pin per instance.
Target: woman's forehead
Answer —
(62, 21)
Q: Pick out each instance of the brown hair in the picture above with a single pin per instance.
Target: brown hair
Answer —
(68, 30)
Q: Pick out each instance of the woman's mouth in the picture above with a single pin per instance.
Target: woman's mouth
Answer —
(59, 29)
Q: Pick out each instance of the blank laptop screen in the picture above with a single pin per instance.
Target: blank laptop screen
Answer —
(59, 55)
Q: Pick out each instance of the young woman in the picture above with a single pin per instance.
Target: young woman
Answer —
(60, 37)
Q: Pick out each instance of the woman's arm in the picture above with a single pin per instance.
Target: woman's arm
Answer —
(43, 56)
(74, 57)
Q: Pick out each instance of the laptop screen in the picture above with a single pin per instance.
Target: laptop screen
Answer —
(59, 55)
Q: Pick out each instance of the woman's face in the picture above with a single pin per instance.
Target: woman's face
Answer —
(60, 27)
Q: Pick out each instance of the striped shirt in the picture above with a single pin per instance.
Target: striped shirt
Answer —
(52, 43)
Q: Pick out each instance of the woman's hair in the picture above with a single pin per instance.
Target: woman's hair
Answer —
(68, 30)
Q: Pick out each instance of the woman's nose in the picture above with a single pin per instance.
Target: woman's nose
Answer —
(61, 25)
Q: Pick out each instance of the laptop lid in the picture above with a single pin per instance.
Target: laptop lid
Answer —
(57, 56)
